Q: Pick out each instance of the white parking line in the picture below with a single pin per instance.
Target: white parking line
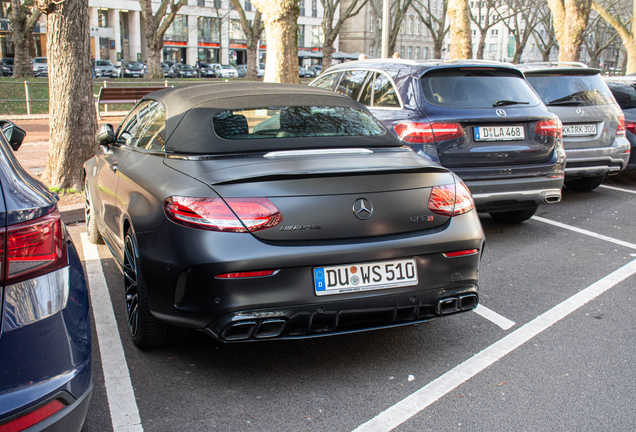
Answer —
(121, 397)
(586, 232)
(411, 405)
(618, 189)
(493, 316)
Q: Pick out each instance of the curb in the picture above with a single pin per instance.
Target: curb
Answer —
(72, 213)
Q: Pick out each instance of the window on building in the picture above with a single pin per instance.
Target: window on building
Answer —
(494, 33)
(409, 53)
(201, 3)
(4, 8)
(474, 33)
(248, 6)
(371, 23)
(417, 53)
(435, 4)
(317, 36)
(207, 29)
(371, 48)
(411, 25)
(402, 51)
(314, 8)
(301, 35)
(102, 18)
(236, 31)
(419, 27)
(493, 47)
(302, 7)
(178, 30)
(425, 53)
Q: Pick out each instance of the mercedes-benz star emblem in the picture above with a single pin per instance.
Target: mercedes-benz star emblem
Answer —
(501, 113)
(362, 208)
(580, 111)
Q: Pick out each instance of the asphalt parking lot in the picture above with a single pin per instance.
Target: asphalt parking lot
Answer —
(551, 347)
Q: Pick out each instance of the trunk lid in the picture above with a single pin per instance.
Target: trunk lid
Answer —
(319, 195)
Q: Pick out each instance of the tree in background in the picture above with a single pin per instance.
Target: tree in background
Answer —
(624, 21)
(461, 44)
(155, 29)
(599, 35)
(281, 30)
(545, 37)
(397, 11)
(435, 23)
(331, 30)
(485, 17)
(23, 18)
(73, 120)
(570, 19)
(523, 18)
(220, 19)
(252, 30)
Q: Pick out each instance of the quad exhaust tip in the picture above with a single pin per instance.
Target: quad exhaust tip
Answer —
(262, 329)
(457, 304)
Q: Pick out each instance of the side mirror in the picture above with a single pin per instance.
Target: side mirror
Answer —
(14, 134)
(105, 135)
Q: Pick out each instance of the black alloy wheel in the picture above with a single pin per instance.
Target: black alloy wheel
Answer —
(585, 184)
(130, 286)
(515, 216)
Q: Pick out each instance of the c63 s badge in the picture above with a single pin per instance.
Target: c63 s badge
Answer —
(299, 227)
(421, 218)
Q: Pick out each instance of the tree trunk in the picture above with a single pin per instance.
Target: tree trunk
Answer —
(154, 59)
(252, 57)
(327, 51)
(460, 32)
(481, 46)
(23, 21)
(280, 17)
(570, 20)
(546, 55)
(437, 48)
(155, 28)
(71, 103)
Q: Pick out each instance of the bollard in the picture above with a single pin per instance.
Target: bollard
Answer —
(28, 99)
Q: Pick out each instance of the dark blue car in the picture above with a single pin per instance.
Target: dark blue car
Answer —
(45, 335)
(480, 119)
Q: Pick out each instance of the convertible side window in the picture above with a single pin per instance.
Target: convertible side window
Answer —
(152, 133)
(129, 126)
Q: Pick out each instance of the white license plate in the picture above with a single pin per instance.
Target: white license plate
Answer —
(499, 133)
(579, 130)
(365, 277)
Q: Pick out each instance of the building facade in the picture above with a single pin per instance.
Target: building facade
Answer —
(205, 30)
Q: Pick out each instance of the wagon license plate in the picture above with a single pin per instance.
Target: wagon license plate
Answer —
(499, 133)
(579, 130)
(365, 277)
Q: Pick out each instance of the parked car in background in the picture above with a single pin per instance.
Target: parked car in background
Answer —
(593, 123)
(242, 70)
(167, 71)
(181, 70)
(132, 70)
(480, 119)
(105, 68)
(40, 67)
(45, 333)
(276, 211)
(316, 69)
(208, 70)
(6, 67)
(305, 73)
(225, 71)
(624, 91)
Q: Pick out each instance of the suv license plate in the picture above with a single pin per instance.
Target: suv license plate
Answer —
(499, 133)
(579, 130)
(365, 277)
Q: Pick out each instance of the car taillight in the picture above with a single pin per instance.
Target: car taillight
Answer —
(620, 130)
(630, 126)
(33, 248)
(425, 132)
(451, 200)
(229, 215)
(551, 128)
(239, 275)
(34, 417)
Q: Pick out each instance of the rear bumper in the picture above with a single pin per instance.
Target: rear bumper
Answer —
(592, 162)
(184, 292)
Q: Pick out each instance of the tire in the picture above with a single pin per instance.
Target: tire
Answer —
(92, 230)
(144, 328)
(516, 216)
(585, 184)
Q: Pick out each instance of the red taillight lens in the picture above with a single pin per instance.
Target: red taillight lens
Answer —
(32, 418)
(551, 128)
(620, 130)
(425, 132)
(246, 274)
(460, 253)
(215, 215)
(34, 248)
(630, 126)
(451, 200)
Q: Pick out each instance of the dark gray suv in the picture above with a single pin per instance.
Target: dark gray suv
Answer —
(593, 123)
(480, 119)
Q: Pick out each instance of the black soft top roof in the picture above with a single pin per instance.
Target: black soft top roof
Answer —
(189, 112)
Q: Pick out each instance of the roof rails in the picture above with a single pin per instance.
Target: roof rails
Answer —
(551, 64)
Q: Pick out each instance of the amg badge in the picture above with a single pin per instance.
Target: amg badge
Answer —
(421, 218)
(299, 227)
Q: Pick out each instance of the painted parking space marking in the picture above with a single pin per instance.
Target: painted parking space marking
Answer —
(121, 397)
(422, 398)
(586, 232)
(494, 317)
(618, 189)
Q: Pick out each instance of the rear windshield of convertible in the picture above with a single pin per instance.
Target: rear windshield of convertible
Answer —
(294, 122)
